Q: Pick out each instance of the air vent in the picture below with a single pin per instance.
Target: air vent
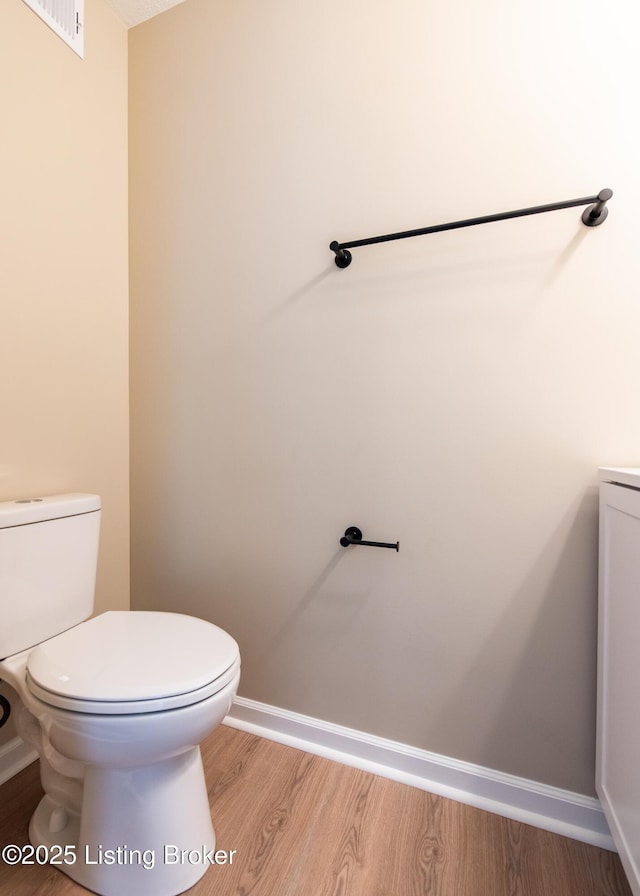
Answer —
(65, 17)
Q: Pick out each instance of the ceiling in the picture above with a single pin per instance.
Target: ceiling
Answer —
(132, 12)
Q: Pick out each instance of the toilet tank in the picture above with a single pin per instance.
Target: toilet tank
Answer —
(48, 559)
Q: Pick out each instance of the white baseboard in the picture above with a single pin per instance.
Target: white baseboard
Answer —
(550, 808)
(14, 756)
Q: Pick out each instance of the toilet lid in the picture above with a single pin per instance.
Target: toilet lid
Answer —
(129, 657)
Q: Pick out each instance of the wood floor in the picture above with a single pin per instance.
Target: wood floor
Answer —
(305, 826)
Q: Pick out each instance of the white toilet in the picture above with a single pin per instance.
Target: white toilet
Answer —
(116, 707)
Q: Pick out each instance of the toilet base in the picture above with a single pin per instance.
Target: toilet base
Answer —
(142, 831)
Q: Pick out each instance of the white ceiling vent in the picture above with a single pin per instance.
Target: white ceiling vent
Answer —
(65, 17)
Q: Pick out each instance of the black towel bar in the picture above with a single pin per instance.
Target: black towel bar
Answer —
(592, 216)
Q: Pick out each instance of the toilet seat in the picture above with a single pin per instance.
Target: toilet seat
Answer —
(125, 662)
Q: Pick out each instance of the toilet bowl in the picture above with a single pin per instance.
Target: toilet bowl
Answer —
(116, 707)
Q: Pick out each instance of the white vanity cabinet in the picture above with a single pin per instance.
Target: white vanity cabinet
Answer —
(618, 724)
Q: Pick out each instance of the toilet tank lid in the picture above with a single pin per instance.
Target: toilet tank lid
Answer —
(39, 510)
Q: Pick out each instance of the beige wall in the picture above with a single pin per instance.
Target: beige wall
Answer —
(63, 281)
(456, 392)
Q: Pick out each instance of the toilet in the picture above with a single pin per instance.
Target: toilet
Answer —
(115, 705)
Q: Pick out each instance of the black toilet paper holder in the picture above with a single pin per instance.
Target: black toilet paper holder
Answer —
(353, 535)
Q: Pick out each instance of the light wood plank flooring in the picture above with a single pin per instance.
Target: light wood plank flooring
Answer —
(306, 826)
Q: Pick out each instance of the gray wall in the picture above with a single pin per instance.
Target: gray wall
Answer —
(456, 392)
